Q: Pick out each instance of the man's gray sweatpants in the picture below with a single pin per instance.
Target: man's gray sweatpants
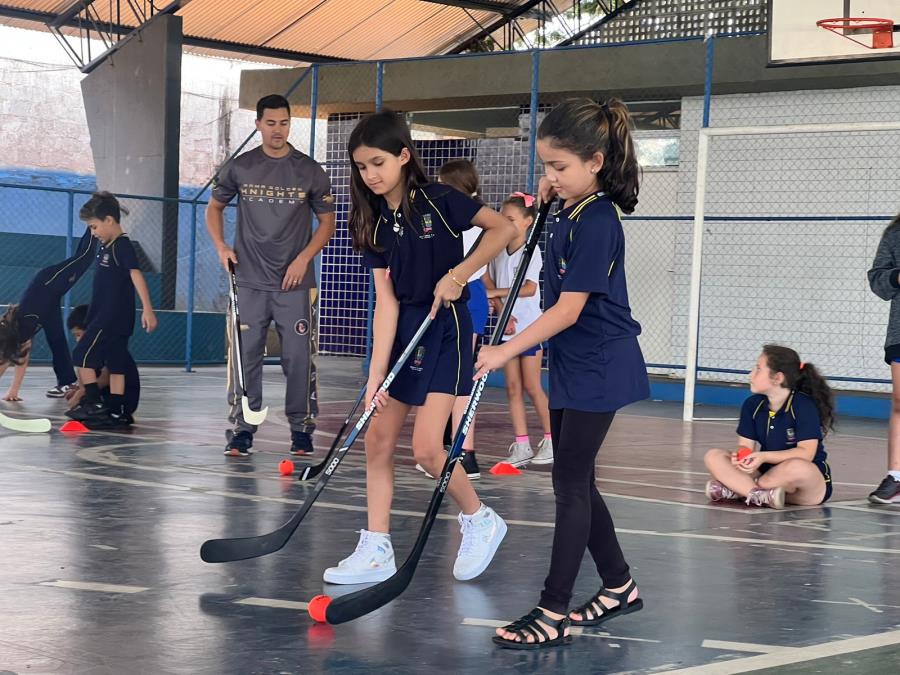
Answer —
(295, 314)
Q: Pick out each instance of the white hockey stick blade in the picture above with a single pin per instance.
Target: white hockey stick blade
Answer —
(252, 416)
(37, 426)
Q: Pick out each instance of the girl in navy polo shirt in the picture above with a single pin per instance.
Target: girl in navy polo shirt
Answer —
(596, 365)
(782, 423)
(409, 231)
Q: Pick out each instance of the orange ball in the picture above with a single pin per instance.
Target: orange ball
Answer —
(286, 467)
(743, 453)
(317, 607)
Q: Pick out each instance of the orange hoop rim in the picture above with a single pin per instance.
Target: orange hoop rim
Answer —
(858, 23)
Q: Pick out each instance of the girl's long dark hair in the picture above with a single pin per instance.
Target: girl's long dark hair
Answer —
(802, 377)
(585, 127)
(11, 350)
(386, 131)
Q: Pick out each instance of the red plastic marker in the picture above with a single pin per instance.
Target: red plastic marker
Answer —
(504, 469)
(73, 427)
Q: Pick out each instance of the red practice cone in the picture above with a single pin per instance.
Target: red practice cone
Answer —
(73, 427)
(504, 469)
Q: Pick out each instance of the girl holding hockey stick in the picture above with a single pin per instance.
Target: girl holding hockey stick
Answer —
(409, 231)
(596, 365)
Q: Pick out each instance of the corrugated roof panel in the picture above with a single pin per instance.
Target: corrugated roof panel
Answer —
(328, 25)
(433, 36)
(352, 29)
(52, 6)
(251, 22)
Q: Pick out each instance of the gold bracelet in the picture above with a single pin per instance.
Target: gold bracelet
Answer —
(455, 280)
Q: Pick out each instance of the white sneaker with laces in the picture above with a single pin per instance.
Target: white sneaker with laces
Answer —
(520, 453)
(544, 453)
(372, 561)
(482, 533)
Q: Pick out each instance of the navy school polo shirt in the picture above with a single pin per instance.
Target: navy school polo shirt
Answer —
(420, 252)
(112, 301)
(797, 420)
(596, 364)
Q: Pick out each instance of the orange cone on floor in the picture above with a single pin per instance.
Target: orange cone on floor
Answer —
(73, 427)
(504, 469)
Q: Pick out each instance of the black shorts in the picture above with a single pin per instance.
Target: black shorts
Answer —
(442, 362)
(99, 348)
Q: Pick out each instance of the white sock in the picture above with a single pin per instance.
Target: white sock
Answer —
(894, 474)
(480, 511)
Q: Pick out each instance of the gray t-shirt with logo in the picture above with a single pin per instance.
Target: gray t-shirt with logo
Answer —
(274, 223)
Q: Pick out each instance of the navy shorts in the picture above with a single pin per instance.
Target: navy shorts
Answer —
(822, 466)
(98, 348)
(442, 362)
(478, 306)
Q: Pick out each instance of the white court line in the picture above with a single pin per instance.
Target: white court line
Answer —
(745, 647)
(273, 602)
(92, 586)
(854, 604)
(574, 630)
(797, 655)
(443, 516)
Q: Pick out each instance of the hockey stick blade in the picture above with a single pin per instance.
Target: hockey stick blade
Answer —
(354, 605)
(252, 416)
(37, 426)
(242, 548)
(313, 470)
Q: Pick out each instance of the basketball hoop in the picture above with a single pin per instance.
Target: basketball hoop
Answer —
(882, 30)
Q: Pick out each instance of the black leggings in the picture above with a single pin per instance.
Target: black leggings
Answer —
(582, 519)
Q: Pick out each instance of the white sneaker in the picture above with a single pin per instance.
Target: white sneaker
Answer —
(520, 453)
(372, 561)
(544, 454)
(482, 533)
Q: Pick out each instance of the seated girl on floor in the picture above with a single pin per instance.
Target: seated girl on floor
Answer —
(780, 456)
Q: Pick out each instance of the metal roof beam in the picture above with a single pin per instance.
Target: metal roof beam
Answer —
(506, 9)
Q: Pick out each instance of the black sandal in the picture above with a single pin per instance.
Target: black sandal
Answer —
(528, 625)
(592, 618)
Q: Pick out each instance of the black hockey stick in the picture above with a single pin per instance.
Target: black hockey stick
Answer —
(241, 548)
(251, 416)
(311, 471)
(354, 605)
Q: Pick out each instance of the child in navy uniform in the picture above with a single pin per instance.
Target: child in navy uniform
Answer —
(409, 231)
(77, 323)
(596, 365)
(783, 423)
(110, 318)
(40, 309)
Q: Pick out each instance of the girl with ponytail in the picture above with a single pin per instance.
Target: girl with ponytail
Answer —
(780, 456)
(596, 365)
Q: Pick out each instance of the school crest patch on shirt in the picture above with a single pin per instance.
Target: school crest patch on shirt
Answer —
(427, 227)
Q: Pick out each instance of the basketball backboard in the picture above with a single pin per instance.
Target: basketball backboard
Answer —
(795, 37)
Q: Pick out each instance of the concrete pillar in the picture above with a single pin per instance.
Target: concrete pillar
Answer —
(133, 107)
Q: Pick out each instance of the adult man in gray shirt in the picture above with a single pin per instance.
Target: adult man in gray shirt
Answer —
(280, 189)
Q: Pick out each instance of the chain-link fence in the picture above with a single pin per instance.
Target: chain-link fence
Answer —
(791, 221)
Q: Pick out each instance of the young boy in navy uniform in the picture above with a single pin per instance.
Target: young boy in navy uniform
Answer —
(110, 318)
(40, 309)
(77, 323)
